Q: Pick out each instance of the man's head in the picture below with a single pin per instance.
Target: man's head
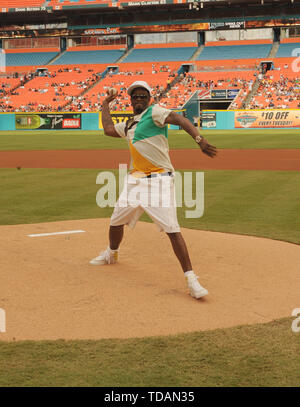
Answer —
(140, 93)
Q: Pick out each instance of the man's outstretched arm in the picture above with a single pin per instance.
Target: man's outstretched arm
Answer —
(107, 123)
(179, 120)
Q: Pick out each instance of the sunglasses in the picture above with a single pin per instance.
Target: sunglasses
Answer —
(143, 97)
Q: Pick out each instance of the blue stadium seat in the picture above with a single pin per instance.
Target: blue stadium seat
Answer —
(286, 50)
(161, 54)
(26, 59)
(235, 52)
(89, 57)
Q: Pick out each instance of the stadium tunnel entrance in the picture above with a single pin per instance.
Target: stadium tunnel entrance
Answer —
(214, 104)
(266, 66)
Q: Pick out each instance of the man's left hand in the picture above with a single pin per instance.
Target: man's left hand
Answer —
(207, 148)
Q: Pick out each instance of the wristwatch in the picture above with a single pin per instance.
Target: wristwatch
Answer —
(198, 139)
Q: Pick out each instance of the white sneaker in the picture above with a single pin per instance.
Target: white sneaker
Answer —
(196, 289)
(108, 256)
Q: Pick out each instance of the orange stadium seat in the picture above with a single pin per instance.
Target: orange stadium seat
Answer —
(21, 4)
(81, 87)
(60, 3)
(279, 88)
(157, 75)
(54, 91)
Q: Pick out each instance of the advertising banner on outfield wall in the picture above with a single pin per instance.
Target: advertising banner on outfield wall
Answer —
(117, 117)
(52, 121)
(208, 120)
(266, 118)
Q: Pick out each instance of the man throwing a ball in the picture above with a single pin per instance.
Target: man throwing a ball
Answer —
(147, 134)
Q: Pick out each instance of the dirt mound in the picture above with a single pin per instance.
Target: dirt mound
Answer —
(49, 290)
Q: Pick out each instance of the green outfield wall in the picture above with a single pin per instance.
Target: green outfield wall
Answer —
(210, 119)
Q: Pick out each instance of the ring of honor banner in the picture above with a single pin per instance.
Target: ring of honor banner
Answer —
(55, 121)
(266, 118)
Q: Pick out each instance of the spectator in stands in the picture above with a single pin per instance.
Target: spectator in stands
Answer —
(264, 68)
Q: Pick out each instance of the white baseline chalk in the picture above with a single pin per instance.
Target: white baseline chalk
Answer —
(57, 233)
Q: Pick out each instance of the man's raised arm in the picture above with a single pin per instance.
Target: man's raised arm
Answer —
(107, 123)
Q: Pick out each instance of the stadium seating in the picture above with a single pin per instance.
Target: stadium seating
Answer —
(157, 75)
(178, 95)
(155, 54)
(89, 57)
(75, 79)
(83, 90)
(50, 92)
(29, 59)
(234, 52)
(7, 86)
(287, 49)
(280, 88)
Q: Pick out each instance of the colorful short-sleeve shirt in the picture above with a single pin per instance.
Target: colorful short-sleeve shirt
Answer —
(148, 141)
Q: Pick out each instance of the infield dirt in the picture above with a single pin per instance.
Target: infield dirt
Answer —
(50, 291)
(255, 159)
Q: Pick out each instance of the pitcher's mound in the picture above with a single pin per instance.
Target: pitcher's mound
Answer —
(50, 291)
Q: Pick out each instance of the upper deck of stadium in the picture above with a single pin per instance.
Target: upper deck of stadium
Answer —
(77, 68)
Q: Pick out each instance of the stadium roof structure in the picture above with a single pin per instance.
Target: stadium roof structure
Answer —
(57, 5)
(110, 13)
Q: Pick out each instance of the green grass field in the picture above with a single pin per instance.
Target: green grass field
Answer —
(76, 140)
(261, 203)
(259, 355)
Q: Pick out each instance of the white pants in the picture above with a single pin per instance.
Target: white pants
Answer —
(155, 196)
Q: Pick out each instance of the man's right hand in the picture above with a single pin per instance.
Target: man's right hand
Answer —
(110, 97)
